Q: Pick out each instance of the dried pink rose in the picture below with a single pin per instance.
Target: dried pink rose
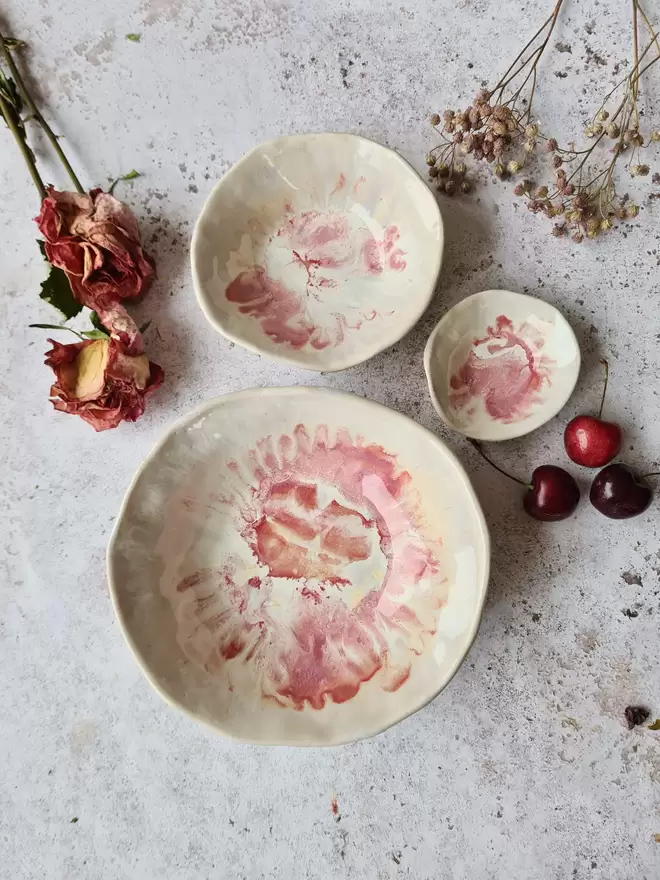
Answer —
(94, 238)
(98, 381)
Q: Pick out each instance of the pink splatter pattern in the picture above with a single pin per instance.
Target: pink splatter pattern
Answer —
(508, 376)
(342, 586)
(328, 251)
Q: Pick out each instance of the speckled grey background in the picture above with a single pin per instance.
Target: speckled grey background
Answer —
(522, 769)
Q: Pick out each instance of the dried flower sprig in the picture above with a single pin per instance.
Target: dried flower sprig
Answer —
(496, 129)
(582, 197)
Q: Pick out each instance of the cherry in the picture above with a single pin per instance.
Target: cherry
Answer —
(590, 440)
(551, 495)
(619, 493)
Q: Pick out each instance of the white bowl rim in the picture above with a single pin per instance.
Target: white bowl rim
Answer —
(347, 362)
(485, 435)
(196, 413)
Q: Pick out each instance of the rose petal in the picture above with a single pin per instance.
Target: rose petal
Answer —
(84, 377)
(122, 328)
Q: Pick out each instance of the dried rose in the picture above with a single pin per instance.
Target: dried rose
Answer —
(94, 238)
(99, 382)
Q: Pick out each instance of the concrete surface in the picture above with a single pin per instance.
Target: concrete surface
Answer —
(522, 769)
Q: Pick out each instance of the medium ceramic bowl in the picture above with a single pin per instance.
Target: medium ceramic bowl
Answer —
(317, 250)
(299, 566)
(500, 364)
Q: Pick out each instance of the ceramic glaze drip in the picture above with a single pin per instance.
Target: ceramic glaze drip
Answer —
(329, 248)
(506, 370)
(279, 310)
(347, 583)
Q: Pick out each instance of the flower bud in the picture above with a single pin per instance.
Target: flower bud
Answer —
(434, 119)
(602, 115)
(466, 186)
(513, 167)
(613, 130)
(498, 169)
(430, 159)
(531, 130)
(632, 211)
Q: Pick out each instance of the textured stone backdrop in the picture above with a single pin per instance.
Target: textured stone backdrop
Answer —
(522, 769)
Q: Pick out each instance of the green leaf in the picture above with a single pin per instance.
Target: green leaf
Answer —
(96, 322)
(13, 43)
(56, 327)
(94, 334)
(12, 97)
(134, 38)
(56, 290)
(655, 725)
(145, 326)
(131, 175)
(49, 326)
(73, 821)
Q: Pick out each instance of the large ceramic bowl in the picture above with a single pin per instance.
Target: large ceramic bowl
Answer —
(318, 250)
(299, 566)
(501, 364)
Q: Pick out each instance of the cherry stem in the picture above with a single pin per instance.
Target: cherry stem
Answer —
(607, 376)
(477, 446)
(656, 474)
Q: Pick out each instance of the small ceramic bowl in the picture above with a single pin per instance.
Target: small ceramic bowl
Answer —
(500, 364)
(299, 566)
(318, 250)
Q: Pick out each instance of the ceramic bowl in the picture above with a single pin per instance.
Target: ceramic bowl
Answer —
(318, 250)
(500, 364)
(299, 566)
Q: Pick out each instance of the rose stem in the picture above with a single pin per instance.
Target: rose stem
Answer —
(607, 376)
(635, 90)
(34, 111)
(8, 111)
(477, 446)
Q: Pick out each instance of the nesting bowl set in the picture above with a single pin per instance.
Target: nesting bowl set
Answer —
(298, 565)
